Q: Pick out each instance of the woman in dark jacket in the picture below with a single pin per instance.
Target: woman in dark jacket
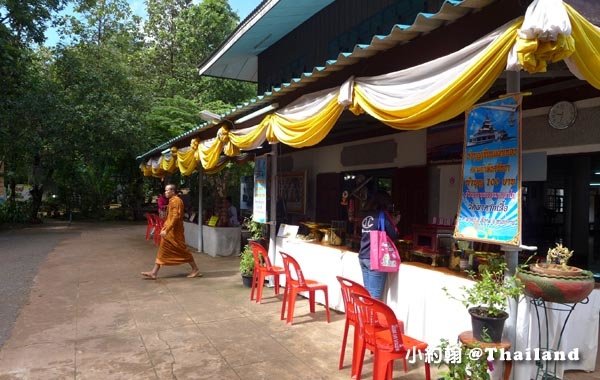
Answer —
(374, 281)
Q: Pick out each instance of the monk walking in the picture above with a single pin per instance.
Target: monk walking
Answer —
(172, 249)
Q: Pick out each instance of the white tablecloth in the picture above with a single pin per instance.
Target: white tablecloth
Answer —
(221, 241)
(416, 296)
(581, 331)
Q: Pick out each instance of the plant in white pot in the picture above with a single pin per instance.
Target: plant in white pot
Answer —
(487, 301)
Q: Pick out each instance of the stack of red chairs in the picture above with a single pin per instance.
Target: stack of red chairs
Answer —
(381, 333)
(159, 225)
(348, 288)
(262, 269)
(296, 283)
(151, 224)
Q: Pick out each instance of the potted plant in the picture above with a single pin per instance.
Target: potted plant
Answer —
(554, 280)
(487, 300)
(247, 266)
(256, 230)
(246, 258)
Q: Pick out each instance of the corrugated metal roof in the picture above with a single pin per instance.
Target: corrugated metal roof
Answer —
(450, 11)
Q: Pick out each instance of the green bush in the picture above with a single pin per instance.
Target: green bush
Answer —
(247, 261)
(15, 212)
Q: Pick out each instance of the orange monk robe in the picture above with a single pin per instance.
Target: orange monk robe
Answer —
(172, 249)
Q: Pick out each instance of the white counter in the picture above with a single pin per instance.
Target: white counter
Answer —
(217, 241)
(190, 231)
(221, 241)
(416, 296)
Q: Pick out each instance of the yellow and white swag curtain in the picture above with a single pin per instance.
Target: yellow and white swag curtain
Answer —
(417, 97)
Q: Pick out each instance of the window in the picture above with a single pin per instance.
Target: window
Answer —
(554, 200)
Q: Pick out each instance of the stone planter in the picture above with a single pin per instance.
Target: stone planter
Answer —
(570, 288)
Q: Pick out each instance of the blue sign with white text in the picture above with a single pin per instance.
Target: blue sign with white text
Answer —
(490, 205)
(259, 211)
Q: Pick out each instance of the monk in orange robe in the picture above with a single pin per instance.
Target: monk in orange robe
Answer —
(172, 249)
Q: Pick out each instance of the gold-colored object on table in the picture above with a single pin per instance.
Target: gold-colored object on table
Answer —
(326, 235)
(338, 231)
(335, 239)
(316, 230)
(454, 262)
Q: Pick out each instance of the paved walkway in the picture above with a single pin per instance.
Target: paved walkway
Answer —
(91, 316)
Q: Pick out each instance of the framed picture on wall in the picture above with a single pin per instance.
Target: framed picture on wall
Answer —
(291, 189)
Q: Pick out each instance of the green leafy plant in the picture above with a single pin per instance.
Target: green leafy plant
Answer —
(255, 228)
(246, 261)
(491, 292)
(463, 366)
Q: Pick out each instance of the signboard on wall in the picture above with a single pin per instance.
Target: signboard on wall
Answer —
(259, 212)
(246, 192)
(490, 206)
(291, 189)
(22, 192)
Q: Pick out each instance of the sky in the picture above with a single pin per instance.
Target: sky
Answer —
(241, 7)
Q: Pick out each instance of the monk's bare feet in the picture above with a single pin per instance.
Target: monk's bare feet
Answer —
(149, 275)
(194, 274)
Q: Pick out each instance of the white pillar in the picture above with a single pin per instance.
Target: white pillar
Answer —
(200, 208)
(511, 254)
(273, 208)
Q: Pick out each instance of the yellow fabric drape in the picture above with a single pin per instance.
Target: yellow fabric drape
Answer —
(534, 55)
(146, 170)
(451, 101)
(587, 47)
(305, 132)
(168, 165)
(158, 172)
(186, 161)
(583, 47)
(248, 140)
(209, 156)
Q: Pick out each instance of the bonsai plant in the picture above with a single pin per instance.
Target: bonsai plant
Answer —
(556, 262)
(554, 280)
(487, 301)
(247, 266)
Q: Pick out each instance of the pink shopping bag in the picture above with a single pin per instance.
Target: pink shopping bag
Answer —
(384, 254)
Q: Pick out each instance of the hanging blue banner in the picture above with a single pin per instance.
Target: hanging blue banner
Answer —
(490, 205)
(259, 210)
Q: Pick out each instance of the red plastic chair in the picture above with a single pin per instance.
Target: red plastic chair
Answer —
(150, 225)
(381, 333)
(159, 225)
(348, 287)
(296, 283)
(262, 269)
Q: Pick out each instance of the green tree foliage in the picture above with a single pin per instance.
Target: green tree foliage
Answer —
(172, 117)
(73, 118)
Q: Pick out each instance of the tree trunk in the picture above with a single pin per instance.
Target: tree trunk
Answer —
(36, 202)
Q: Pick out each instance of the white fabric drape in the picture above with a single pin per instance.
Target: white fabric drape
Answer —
(308, 105)
(409, 87)
(243, 132)
(544, 20)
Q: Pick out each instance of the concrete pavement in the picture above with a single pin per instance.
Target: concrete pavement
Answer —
(21, 253)
(91, 316)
